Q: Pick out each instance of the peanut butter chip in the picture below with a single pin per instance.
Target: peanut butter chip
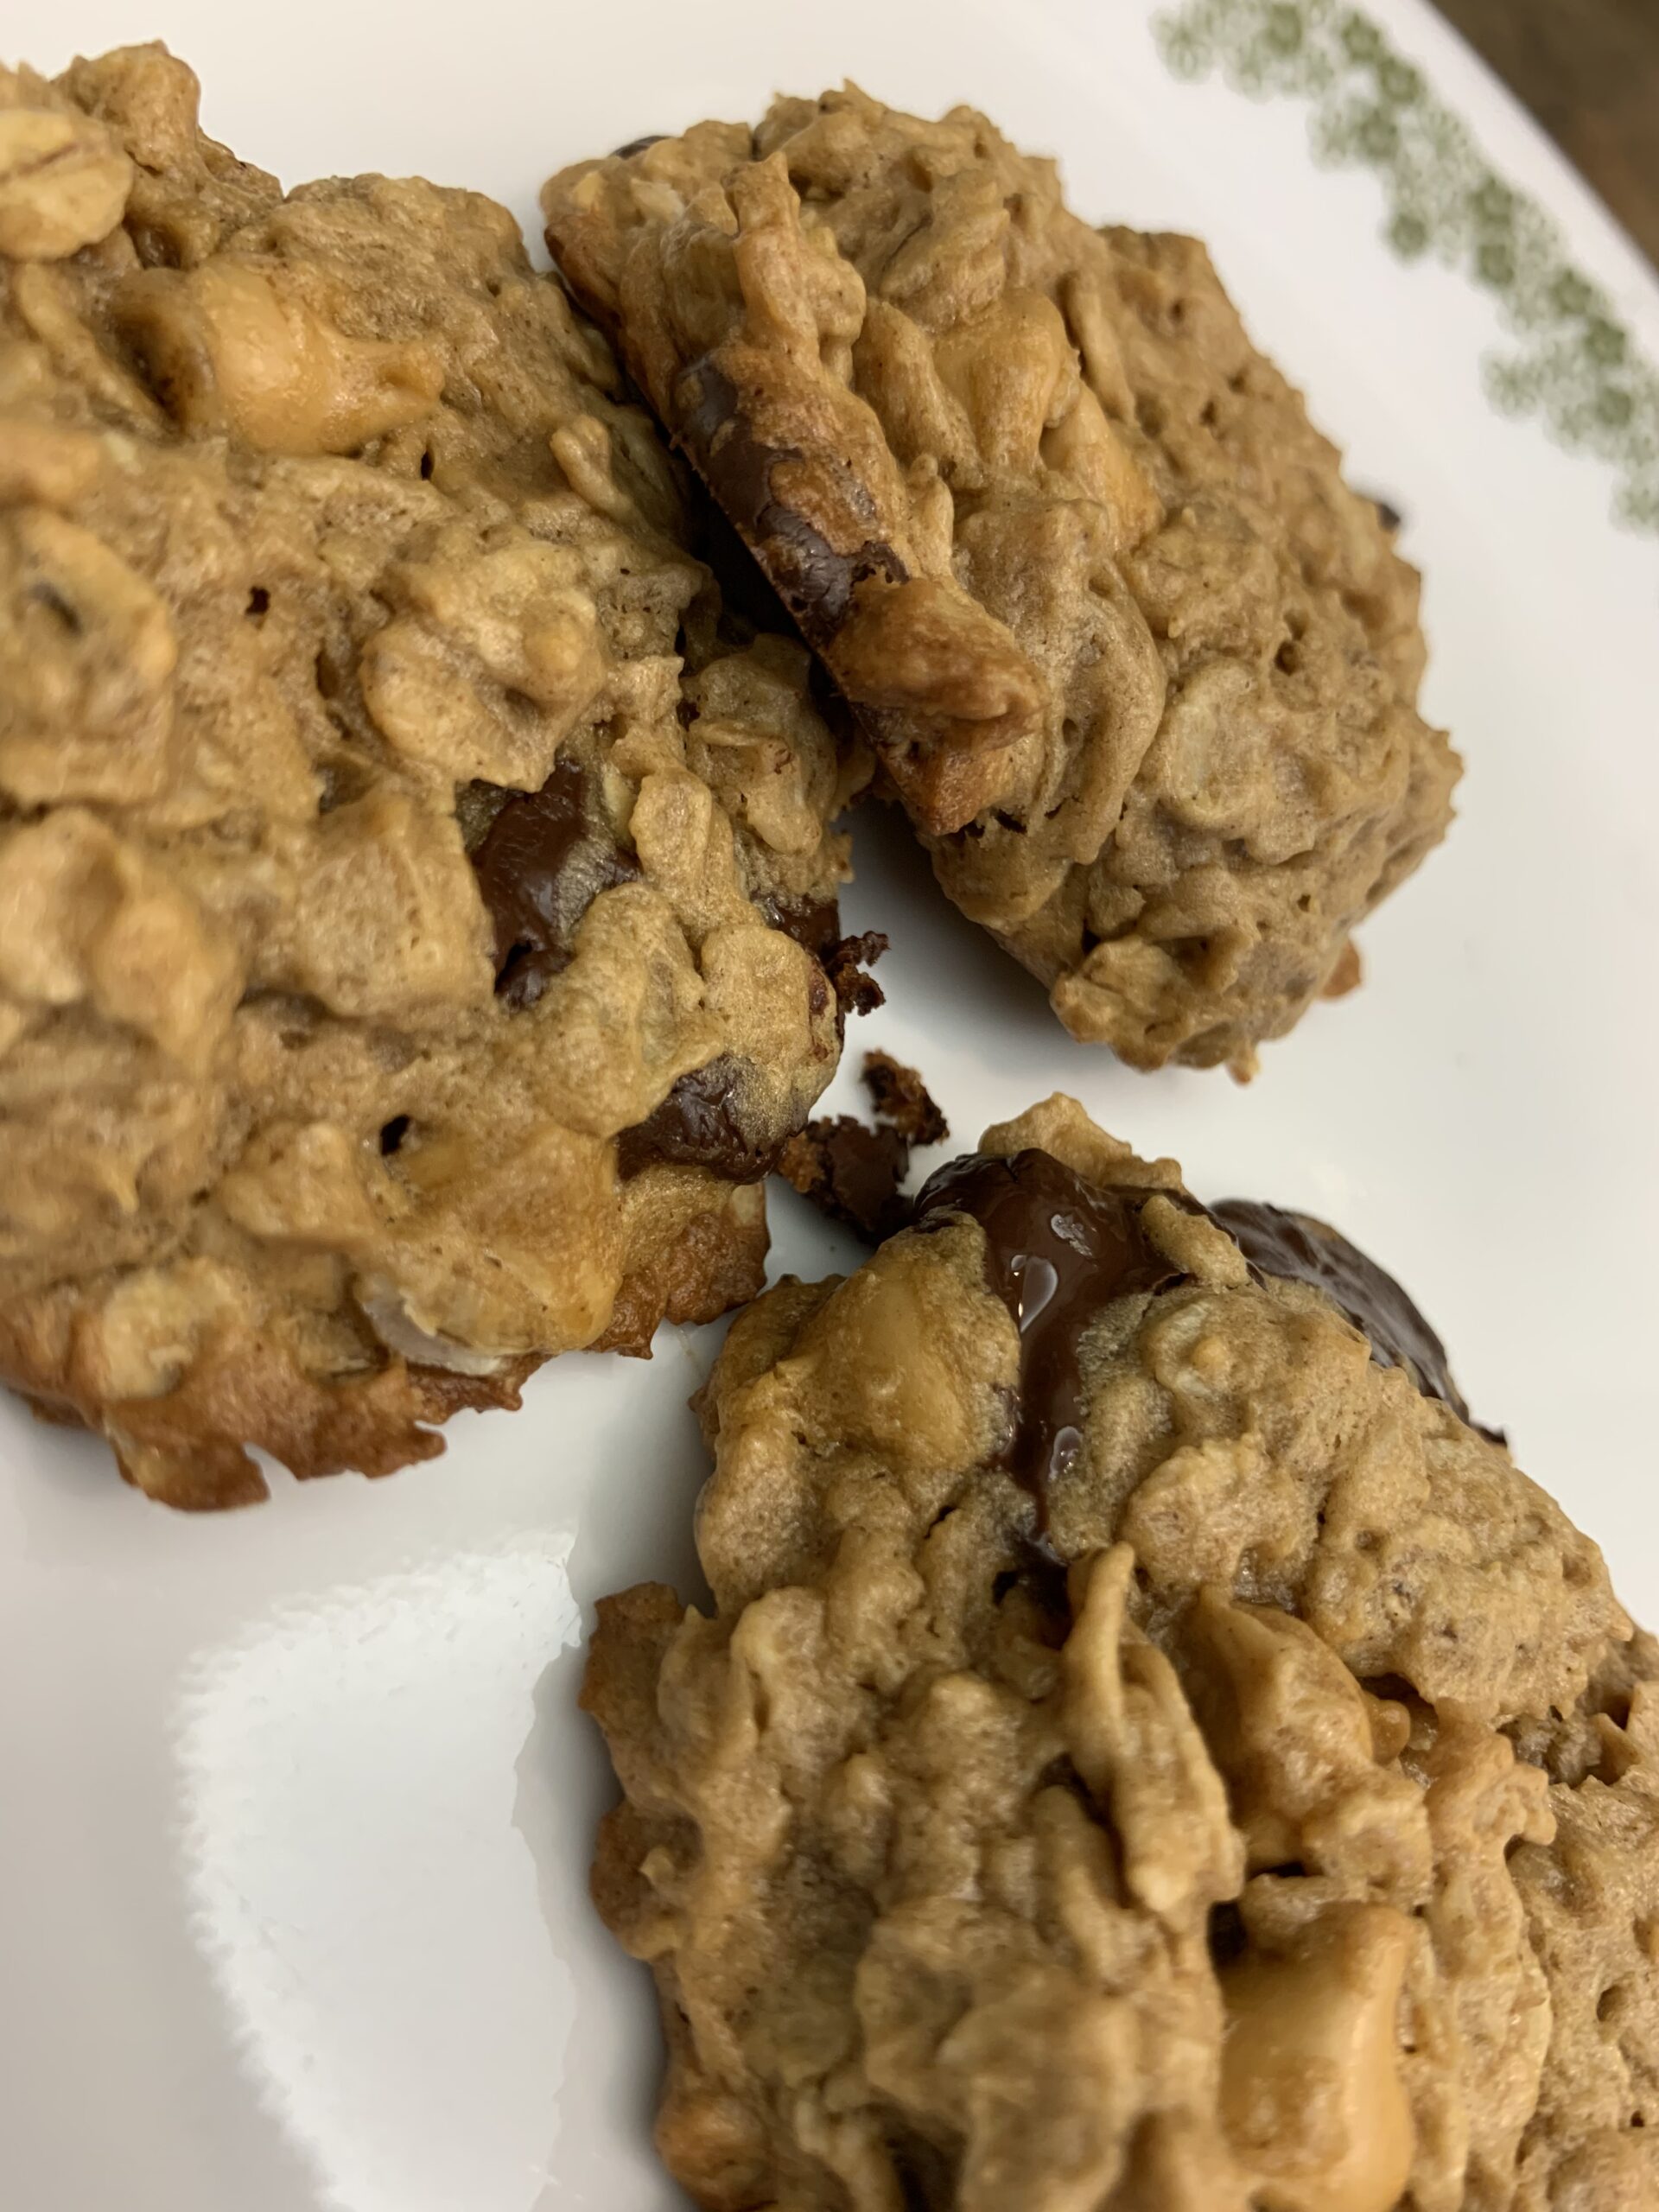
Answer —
(1311, 2093)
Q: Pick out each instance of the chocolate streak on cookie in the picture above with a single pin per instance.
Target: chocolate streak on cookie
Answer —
(540, 867)
(813, 579)
(1298, 1249)
(1057, 1249)
(698, 1124)
(639, 145)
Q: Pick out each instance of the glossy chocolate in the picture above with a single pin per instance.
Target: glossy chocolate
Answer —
(813, 579)
(542, 864)
(815, 924)
(699, 1124)
(1057, 1249)
(1298, 1249)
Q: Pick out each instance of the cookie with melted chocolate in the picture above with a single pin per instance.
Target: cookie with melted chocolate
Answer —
(1146, 1748)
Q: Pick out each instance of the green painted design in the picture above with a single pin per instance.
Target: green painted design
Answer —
(1573, 363)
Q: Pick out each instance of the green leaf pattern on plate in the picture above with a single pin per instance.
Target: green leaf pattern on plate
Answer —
(1573, 363)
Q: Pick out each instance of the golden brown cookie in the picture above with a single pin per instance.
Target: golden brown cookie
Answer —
(1140, 665)
(1149, 1751)
(415, 890)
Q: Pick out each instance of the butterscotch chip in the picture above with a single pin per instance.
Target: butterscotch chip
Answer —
(398, 833)
(1140, 665)
(1147, 1750)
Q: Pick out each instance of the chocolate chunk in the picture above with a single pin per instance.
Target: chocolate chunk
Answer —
(698, 1124)
(815, 924)
(639, 145)
(1387, 514)
(541, 864)
(1298, 1249)
(851, 1173)
(748, 601)
(1058, 1248)
(899, 1097)
(856, 992)
(814, 580)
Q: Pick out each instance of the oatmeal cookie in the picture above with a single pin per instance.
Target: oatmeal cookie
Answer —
(416, 900)
(1148, 1753)
(1140, 665)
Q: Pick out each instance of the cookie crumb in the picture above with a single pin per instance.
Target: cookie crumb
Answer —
(1348, 974)
(899, 1097)
(852, 1171)
(855, 992)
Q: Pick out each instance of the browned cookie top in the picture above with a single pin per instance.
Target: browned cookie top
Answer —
(1147, 1750)
(391, 817)
(1139, 664)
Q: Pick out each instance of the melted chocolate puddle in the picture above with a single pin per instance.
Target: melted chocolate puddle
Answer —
(1058, 1248)
(1298, 1249)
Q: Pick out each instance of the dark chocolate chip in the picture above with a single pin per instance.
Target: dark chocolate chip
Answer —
(639, 145)
(815, 924)
(748, 599)
(542, 862)
(814, 580)
(1058, 1248)
(699, 1124)
(393, 1133)
(1298, 1249)
(1387, 514)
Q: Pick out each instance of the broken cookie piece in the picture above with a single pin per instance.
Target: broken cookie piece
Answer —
(407, 858)
(1140, 665)
(852, 1170)
(900, 1098)
(1147, 1750)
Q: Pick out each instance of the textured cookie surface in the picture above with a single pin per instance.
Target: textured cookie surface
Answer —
(1140, 665)
(390, 816)
(1148, 1753)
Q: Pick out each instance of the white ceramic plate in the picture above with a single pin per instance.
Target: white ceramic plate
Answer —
(295, 1804)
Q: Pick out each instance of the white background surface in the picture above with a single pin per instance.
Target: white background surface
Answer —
(295, 1804)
